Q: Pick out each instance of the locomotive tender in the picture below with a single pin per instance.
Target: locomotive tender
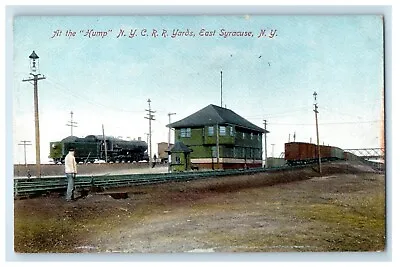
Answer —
(91, 148)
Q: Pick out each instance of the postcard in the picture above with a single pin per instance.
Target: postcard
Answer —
(198, 133)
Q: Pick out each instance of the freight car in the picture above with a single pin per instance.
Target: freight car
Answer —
(351, 156)
(297, 153)
(91, 148)
(162, 154)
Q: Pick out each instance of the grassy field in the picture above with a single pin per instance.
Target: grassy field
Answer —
(288, 211)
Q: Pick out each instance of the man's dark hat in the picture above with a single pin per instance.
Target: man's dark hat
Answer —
(71, 149)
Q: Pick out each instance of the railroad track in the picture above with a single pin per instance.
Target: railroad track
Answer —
(38, 186)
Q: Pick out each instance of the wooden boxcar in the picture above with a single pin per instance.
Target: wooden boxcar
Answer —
(162, 152)
(350, 156)
(337, 153)
(301, 153)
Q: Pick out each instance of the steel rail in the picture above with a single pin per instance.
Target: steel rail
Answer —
(44, 185)
(25, 187)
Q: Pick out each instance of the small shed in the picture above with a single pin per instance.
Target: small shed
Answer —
(180, 157)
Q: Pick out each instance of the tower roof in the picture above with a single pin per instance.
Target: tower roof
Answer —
(179, 147)
(211, 115)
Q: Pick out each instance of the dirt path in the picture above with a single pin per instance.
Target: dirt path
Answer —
(343, 211)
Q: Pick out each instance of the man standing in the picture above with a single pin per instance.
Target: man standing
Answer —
(70, 172)
(154, 161)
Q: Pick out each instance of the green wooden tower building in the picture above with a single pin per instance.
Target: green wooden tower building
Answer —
(220, 139)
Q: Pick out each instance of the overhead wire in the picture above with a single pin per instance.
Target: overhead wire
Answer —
(277, 115)
(87, 99)
(326, 123)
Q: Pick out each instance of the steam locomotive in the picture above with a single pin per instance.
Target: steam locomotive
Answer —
(96, 147)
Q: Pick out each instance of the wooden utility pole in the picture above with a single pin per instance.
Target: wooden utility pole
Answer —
(272, 148)
(25, 143)
(265, 144)
(72, 123)
(221, 88)
(316, 124)
(217, 144)
(169, 140)
(147, 138)
(150, 118)
(105, 143)
(36, 77)
(169, 128)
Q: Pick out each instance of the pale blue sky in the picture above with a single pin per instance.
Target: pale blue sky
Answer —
(108, 80)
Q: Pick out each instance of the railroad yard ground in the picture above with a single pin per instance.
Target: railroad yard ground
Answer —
(20, 171)
(288, 211)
